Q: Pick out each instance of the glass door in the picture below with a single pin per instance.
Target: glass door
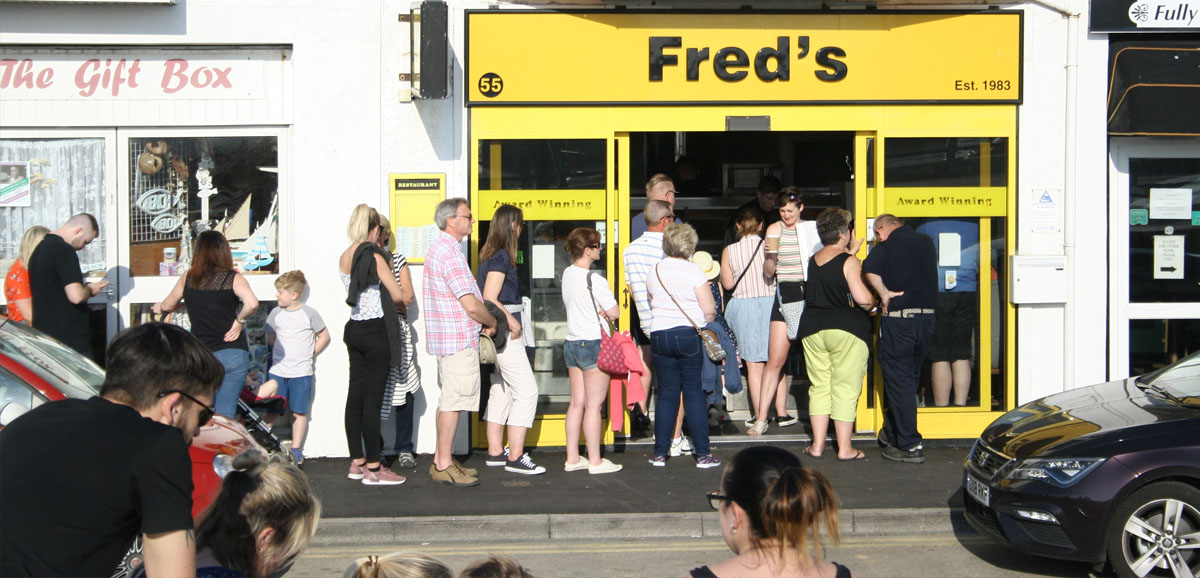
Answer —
(559, 184)
(1154, 286)
(46, 176)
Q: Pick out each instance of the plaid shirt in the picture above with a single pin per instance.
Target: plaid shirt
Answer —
(445, 279)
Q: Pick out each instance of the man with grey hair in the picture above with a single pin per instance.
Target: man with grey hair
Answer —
(454, 314)
(56, 283)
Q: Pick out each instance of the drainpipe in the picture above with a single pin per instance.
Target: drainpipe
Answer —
(1070, 145)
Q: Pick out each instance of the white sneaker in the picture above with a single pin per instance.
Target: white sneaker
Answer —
(680, 446)
(605, 467)
(582, 464)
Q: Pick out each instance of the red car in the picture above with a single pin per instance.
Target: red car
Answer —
(35, 369)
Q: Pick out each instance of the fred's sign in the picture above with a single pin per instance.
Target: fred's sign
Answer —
(666, 58)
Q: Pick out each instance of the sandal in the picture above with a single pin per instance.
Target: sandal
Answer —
(808, 452)
(759, 428)
(858, 455)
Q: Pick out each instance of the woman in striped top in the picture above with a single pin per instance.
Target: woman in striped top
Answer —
(789, 244)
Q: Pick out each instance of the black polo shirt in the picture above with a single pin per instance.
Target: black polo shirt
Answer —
(53, 266)
(906, 261)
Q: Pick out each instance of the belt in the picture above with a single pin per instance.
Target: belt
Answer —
(910, 312)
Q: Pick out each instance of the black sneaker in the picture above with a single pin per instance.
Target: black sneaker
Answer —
(524, 465)
(497, 460)
(913, 456)
(640, 421)
(882, 439)
(785, 420)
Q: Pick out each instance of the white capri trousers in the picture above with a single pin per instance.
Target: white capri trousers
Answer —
(512, 399)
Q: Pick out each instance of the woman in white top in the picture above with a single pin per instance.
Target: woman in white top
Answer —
(751, 300)
(680, 300)
(366, 338)
(586, 312)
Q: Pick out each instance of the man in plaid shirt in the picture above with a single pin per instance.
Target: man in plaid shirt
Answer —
(454, 314)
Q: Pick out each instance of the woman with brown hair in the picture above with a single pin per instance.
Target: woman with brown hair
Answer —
(512, 400)
(771, 510)
(219, 300)
(589, 304)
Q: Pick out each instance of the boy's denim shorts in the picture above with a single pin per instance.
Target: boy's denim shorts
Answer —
(584, 354)
(297, 390)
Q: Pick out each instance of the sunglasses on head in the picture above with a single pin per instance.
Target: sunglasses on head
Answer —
(206, 414)
(595, 246)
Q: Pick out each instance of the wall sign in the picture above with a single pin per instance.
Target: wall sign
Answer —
(129, 76)
(945, 202)
(414, 198)
(1144, 16)
(544, 205)
(667, 57)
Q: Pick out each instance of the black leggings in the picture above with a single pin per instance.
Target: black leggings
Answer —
(370, 358)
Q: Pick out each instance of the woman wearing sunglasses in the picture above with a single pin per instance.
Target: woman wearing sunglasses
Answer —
(771, 510)
(589, 304)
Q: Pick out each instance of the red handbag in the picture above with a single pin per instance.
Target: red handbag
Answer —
(612, 359)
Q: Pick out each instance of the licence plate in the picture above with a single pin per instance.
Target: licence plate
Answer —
(979, 490)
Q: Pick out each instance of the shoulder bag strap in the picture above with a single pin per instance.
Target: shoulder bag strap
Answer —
(596, 307)
(664, 286)
(747, 269)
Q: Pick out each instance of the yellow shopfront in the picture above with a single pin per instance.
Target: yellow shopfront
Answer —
(909, 113)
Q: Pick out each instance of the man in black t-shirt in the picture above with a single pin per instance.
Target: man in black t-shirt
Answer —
(766, 199)
(80, 479)
(56, 283)
(902, 269)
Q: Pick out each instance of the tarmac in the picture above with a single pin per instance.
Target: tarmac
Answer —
(877, 496)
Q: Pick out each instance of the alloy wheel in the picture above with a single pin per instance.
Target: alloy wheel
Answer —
(1162, 538)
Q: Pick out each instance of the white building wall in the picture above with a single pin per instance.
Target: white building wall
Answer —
(352, 126)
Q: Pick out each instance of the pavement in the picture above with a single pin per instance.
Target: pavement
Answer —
(876, 496)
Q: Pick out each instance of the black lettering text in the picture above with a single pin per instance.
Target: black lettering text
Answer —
(782, 62)
(837, 69)
(694, 58)
(731, 57)
(657, 59)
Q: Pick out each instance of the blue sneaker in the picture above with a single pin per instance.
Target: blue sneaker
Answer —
(658, 461)
(299, 455)
(708, 461)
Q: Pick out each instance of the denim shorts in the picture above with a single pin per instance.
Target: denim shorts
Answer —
(297, 391)
(583, 354)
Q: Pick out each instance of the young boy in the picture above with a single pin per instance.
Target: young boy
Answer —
(296, 333)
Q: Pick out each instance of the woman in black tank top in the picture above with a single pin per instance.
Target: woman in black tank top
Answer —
(768, 499)
(218, 302)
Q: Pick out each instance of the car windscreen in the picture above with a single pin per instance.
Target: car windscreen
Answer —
(73, 374)
(1181, 379)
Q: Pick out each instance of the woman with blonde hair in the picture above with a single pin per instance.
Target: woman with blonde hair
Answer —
(589, 304)
(262, 520)
(771, 511)
(398, 565)
(16, 283)
(512, 400)
(372, 342)
(213, 290)
(680, 303)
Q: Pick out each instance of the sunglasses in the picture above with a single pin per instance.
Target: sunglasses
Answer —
(206, 414)
(715, 499)
(597, 246)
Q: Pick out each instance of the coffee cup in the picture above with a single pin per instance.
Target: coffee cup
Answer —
(772, 244)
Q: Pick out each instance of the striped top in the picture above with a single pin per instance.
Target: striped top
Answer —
(753, 283)
(796, 246)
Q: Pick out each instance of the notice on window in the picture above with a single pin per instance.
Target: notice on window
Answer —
(14, 184)
(1047, 211)
(1168, 256)
(1171, 204)
(543, 261)
(949, 250)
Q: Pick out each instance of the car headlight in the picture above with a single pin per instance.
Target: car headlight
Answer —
(1062, 472)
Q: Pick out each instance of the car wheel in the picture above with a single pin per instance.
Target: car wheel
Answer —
(1156, 532)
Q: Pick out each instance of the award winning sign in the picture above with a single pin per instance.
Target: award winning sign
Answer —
(669, 58)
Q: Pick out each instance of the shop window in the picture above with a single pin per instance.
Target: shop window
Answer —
(542, 164)
(1155, 343)
(179, 187)
(945, 162)
(1164, 240)
(46, 181)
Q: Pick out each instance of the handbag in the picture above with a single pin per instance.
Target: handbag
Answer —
(791, 310)
(712, 346)
(612, 359)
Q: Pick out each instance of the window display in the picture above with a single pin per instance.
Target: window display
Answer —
(179, 187)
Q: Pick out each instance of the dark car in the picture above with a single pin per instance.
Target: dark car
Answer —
(1106, 472)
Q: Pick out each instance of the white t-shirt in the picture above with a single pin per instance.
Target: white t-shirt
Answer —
(583, 323)
(682, 279)
(295, 335)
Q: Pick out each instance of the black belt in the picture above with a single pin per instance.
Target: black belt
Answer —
(910, 312)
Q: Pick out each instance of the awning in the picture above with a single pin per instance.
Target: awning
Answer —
(1154, 87)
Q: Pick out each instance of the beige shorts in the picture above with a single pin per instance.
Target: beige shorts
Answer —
(458, 376)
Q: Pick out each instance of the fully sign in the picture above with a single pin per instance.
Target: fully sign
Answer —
(1144, 16)
(665, 58)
